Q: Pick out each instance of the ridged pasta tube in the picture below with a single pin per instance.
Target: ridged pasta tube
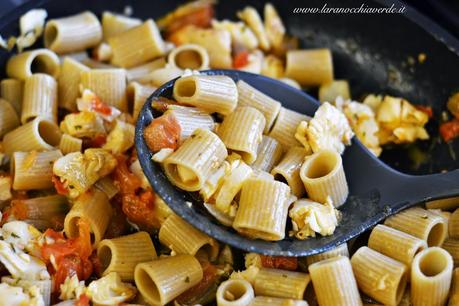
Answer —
(40, 98)
(250, 96)
(8, 117)
(190, 119)
(114, 24)
(453, 224)
(454, 293)
(69, 144)
(452, 247)
(138, 73)
(281, 283)
(43, 208)
(269, 154)
(73, 33)
(334, 282)
(288, 170)
(160, 281)
(137, 95)
(242, 131)
(431, 274)
(234, 292)
(107, 185)
(189, 56)
(420, 223)
(323, 175)
(263, 209)
(39, 134)
(214, 94)
(69, 83)
(190, 165)
(23, 65)
(379, 276)
(340, 250)
(123, 253)
(312, 67)
(272, 301)
(285, 126)
(448, 203)
(11, 90)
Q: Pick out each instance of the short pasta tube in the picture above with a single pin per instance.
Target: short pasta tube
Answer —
(107, 185)
(182, 238)
(190, 165)
(448, 203)
(431, 274)
(288, 170)
(69, 144)
(33, 170)
(328, 92)
(43, 208)
(454, 294)
(214, 94)
(420, 223)
(334, 282)
(341, 250)
(137, 45)
(160, 281)
(189, 56)
(281, 283)
(108, 84)
(73, 33)
(395, 244)
(263, 209)
(122, 254)
(284, 128)
(93, 207)
(23, 65)
(190, 119)
(40, 98)
(69, 83)
(235, 292)
(323, 175)
(12, 90)
(137, 95)
(453, 224)
(121, 137)
(310, 67)
(371, 268)
(8, 117)
(250, 96)
(272, 301)
(114, 24)
(161, 76)
(452, 247)
(269, 154)
(39, 134)
(138, 73)
(242, 131)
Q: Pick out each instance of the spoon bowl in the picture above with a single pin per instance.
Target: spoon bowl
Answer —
(376, 191)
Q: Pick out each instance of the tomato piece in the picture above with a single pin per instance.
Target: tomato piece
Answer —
(209, 278)
(69, 266)
(127, 182)
(140, 209)
(449, 130)
(118, 225)
(163, 132)
(101, 107)
(279, 262)
(96, 264)
(83, 300)
(18, 209)
(59, 186)
(425, 109)
(97, 142)
(241, 59)
(201, 17)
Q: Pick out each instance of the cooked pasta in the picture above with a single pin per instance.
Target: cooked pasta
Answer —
(137, 73)
(395, 244)
(250, 96)
(328, 92)
(431, 273)
(68, 83)
(43, 208)
(340, 250)
(263, 209)
(161, 76)
(137, 95)
(189, 56)
(192, 163)
(264, 300)
(182, 238)
(69, 144)
(122, 254)
(448, 203)
(114, 24)
(214, 94)
(269, 154)
(25, 64)
(242, 131)
(334, 282)
(73, 33)
(371, 267)
(420, 223)
(137, 45)
(190, 119)
(40, 98)
(33, 170)
(453, 224)
(323, 175)
(309, 67)
(162, 280)
(108, 84)
(8, 117)
(39, 134)
(121, 137)
(288, 170)
(452, 247)
(281, 283)
(454, 296)
(107, 185)
(11, 90)
(234, 292)
(94, 208)
(285, 126)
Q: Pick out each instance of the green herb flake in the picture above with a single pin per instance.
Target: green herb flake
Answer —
(187, 279)
(14, 235)
(78, 127)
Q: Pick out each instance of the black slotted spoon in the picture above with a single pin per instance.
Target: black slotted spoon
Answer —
(376, 191)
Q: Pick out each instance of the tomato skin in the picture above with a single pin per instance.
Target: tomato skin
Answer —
(449, 130)
(201, 17)
(163, 132)
(126, 181)
(83, 300)
(279, 262)
(97, 142)
(69, 266)
(425, 109)
(59, 186)
(241, 59)
(140, 209)
(98, 106)
(210, 276)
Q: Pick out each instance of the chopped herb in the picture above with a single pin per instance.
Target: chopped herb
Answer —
(78, 127)
(14, 235)
(187, 279)
(71, 186)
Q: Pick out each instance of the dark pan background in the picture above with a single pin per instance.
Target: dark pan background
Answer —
(374, 52)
